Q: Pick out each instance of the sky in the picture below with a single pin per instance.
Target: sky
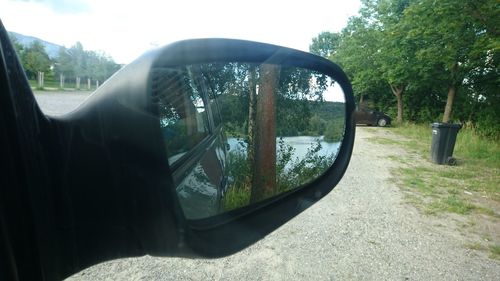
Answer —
(126, 29)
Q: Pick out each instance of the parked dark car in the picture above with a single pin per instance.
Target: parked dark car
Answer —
(371, 117)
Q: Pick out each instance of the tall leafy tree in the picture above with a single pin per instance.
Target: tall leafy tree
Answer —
(35, 59)
(447, 41)
(359, 54)
(374, 52)
(64, 63)
(396, 53)
(429, 54)
(325, 44)
(79, 59)
(77, 62)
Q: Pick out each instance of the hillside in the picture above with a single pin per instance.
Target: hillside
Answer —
(51, 48)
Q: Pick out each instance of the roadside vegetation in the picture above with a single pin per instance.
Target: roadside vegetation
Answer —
(423, 61)
(468, 192)
(71, 69)
(478, 168)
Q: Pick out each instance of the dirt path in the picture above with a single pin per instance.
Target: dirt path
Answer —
(363, 230)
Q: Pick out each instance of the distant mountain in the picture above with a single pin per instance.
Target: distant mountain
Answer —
(51, 48)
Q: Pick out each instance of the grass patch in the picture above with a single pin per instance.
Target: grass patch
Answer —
(235, 198)
(451, 204)
(479, 162)
(384, 140)
(396, 158)
(475, 246)
(475, 148)
(418, 183)
(487, 211)
(469, 189)
(455, 204)
(495, 252)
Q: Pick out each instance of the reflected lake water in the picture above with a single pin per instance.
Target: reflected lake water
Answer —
(301, 144)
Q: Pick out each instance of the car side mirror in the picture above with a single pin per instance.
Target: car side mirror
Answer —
(142, 166)
(167, 95)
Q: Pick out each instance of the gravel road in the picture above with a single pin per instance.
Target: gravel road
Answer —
(60, 102)
(363, 230)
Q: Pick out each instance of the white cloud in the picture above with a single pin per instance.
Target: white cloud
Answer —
(126, 29)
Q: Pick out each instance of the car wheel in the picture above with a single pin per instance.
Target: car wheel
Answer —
(382, 122)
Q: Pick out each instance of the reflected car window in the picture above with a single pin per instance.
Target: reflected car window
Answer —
(183, 118)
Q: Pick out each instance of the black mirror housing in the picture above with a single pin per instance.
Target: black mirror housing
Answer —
(124, 109)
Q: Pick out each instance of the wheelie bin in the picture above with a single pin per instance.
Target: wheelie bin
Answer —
(444, 136)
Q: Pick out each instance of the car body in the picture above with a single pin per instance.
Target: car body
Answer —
(371, 117)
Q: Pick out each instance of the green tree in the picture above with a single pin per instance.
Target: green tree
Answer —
(35, 59)
(449, 43)
(64, 63)
(325, 44)
(375, 54)
(396, 53)
(17, 46)
(429, 54)
(77, 62)
(79, 59)
(359, 55)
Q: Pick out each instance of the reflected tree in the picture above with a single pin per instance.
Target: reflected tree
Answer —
(264, 146)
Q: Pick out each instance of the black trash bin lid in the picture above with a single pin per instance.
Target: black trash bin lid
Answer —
(446, 125)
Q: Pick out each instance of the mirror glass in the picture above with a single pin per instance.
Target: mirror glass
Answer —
(239, 133)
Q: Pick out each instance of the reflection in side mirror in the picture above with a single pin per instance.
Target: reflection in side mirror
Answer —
(240, 133)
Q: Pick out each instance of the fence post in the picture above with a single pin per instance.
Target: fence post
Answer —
(88, 83)
(96, 84)
(61, 81)
(40, 79)
(78, 83)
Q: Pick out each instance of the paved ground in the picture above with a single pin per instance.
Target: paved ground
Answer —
(59, 102)
(363, 230)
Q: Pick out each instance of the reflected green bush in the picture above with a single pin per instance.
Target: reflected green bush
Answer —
(290, 173)
(239, 181)
(334, 131)
(293, 173)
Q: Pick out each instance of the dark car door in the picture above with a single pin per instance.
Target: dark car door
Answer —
(364, 116)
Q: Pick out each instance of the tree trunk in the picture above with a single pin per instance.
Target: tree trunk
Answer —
(252, 97)
(264, 168)
(398, 92)
(452, 90)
